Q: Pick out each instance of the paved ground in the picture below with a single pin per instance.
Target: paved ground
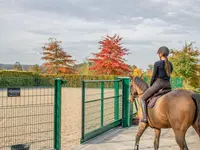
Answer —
(123, 139)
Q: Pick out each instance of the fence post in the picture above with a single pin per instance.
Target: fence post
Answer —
(116, 103)
(83, 113)
(102, 103)
(127, 107)
(57, 113)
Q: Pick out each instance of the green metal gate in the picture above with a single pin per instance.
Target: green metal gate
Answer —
(102, 106)
(30, 112)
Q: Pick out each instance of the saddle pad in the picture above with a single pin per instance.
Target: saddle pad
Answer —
(152, 101)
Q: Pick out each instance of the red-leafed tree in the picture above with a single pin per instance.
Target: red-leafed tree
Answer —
(110, 59)
(57, 60)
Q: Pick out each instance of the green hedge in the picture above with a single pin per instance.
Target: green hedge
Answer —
(21, 78)
(17, 78)
(29, 79)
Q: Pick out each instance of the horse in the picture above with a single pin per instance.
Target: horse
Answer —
(178, 109)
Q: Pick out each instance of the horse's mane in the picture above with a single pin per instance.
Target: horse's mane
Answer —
(141, 84)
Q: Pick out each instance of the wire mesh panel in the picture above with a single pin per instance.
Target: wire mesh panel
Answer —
(176, 83)
(26, 113)
(102, 107)
(112, 102)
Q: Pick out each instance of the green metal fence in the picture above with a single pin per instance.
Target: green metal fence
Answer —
(102, 106)
(30, 109)
(29, 113)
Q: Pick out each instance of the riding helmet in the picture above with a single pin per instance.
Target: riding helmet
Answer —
(163, 50)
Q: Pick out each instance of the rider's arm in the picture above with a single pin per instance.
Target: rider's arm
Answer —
(153, 78)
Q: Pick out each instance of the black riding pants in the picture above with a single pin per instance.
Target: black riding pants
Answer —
(157, 85)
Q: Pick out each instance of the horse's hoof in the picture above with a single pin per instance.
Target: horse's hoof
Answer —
(136, 147)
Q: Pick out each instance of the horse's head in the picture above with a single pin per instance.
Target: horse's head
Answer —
(137, 87)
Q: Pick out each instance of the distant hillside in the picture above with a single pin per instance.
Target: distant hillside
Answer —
(25, 67)
(9, 66)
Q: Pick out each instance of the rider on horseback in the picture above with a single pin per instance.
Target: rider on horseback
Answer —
(160, 78)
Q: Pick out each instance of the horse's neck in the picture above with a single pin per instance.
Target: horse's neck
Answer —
(140, 91)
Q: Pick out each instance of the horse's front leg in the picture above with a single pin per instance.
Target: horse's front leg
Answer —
(142, 128)
(157, 138)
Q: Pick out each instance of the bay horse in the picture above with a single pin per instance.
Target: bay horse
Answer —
(177, 109)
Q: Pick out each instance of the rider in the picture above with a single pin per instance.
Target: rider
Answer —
(160, 78)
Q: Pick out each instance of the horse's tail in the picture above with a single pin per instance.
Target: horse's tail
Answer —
(196, 121)
(196, 99)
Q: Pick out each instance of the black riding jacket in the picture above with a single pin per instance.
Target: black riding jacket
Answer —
(159, 71)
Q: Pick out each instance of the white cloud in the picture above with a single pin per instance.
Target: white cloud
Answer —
(171, 14)
(137, 18)
(27, 25)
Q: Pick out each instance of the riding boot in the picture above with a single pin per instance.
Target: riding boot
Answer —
(144, 111)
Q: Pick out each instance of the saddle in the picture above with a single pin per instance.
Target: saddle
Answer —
(153, 99)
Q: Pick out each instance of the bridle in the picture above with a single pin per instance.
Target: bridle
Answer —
(133, 94)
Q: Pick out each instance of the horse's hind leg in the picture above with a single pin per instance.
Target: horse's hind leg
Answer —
(197, 128)
(180, 139)
(142, 128)
(157, 138)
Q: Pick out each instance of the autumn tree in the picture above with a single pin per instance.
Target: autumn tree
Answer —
(149, 71)
(150, 67)
(133, 67)
(35, 68)
(137, 71)
(57, 60)
(17, 66)
(83, 68)
(185, 62)
(110, 60)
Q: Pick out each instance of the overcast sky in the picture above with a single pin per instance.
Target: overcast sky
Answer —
(145, 25)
